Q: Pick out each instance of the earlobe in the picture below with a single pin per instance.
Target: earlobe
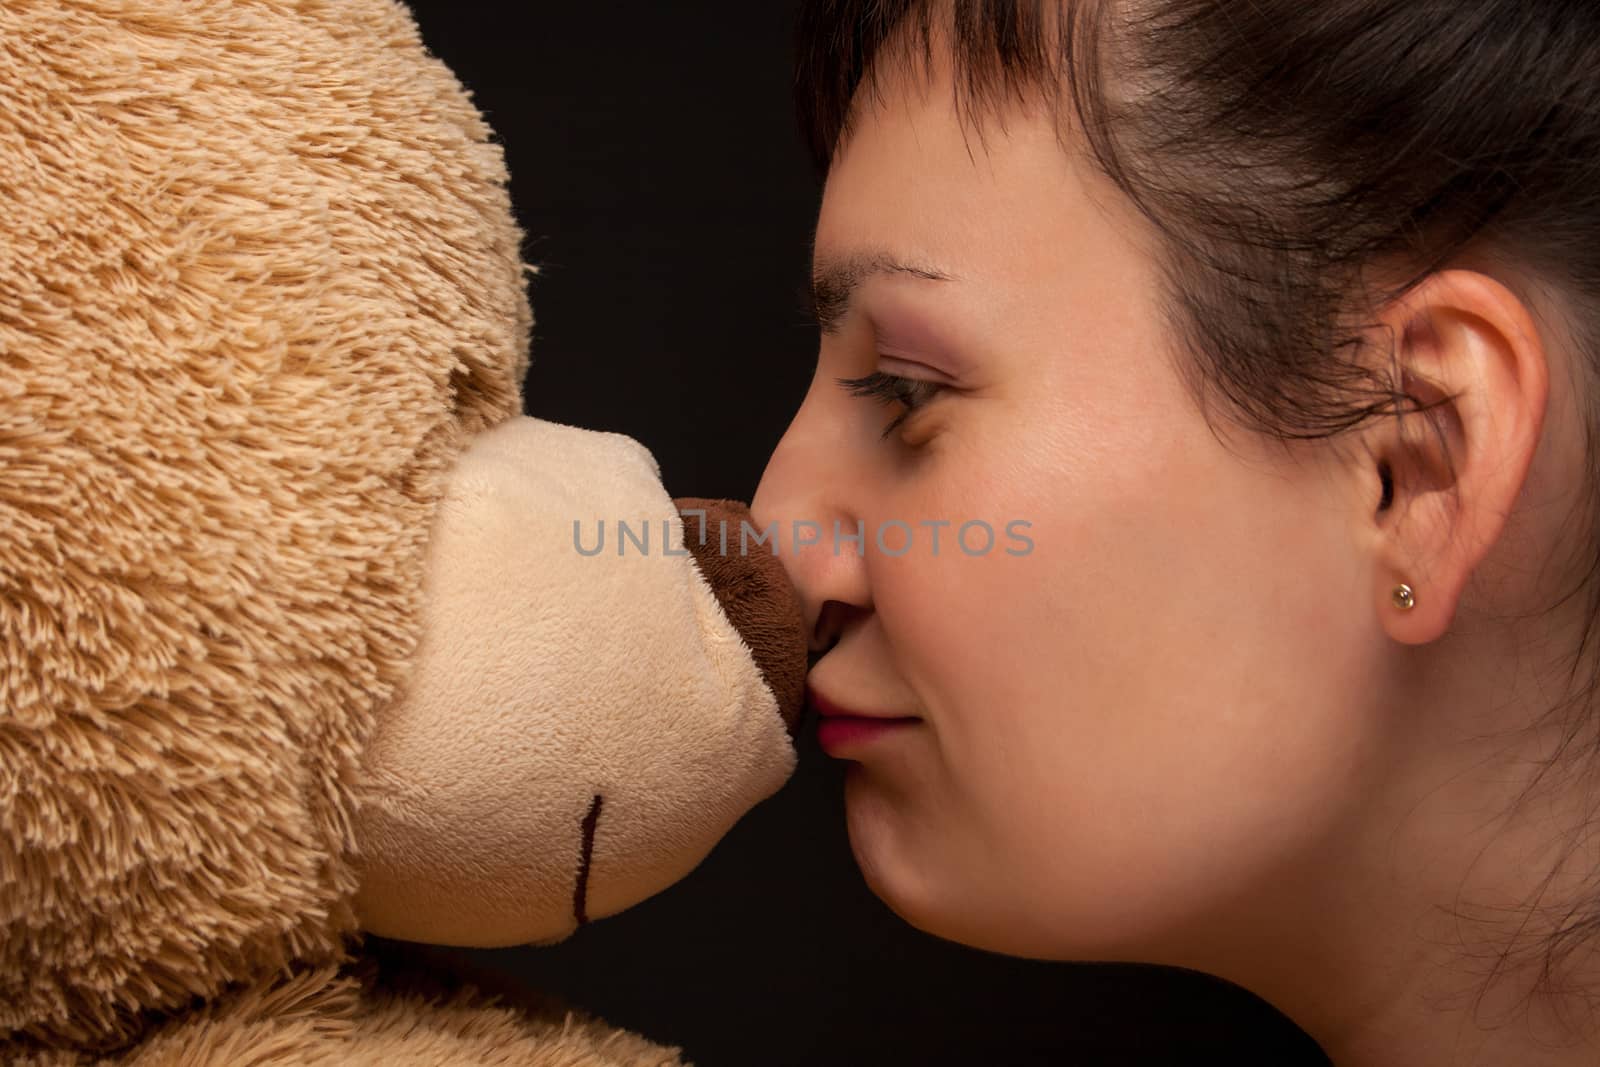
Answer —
(1473, 374)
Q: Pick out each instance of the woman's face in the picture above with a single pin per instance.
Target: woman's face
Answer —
(1132, 728)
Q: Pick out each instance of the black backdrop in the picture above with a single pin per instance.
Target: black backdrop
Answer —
(657, 170)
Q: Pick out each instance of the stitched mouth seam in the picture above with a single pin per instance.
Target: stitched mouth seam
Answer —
(580, 893)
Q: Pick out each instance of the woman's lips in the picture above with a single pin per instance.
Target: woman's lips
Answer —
(839, 734)
(841, 730)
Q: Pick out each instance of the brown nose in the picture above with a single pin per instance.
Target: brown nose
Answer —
(755, 593)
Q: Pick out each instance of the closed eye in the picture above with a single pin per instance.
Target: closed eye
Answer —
(910, 393)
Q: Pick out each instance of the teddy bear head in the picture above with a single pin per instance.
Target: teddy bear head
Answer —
(276, 542)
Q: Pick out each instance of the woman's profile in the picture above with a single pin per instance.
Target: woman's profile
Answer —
(1271, 328)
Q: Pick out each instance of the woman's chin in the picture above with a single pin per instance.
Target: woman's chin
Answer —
(895, 871)
(934, 889)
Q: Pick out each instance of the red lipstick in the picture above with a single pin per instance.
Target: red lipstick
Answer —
(841, 730)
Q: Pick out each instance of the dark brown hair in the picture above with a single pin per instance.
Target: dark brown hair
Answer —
(1303, 164)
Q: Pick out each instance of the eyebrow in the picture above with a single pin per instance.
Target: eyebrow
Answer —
(834, 281)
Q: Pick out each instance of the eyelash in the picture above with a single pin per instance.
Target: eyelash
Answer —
(911, 393)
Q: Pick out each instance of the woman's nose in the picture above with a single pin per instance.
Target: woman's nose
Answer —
(807, 509)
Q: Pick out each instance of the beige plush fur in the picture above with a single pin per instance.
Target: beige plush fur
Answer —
(328, 1018)
(547, 678)
(259, 292)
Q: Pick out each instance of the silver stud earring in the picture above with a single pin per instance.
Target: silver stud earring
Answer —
(1404, 598)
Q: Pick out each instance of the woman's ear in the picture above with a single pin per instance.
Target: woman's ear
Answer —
(1468, 352)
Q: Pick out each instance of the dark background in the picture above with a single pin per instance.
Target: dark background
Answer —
(658, 172)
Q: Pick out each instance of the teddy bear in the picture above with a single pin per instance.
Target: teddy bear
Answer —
(311, 638)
